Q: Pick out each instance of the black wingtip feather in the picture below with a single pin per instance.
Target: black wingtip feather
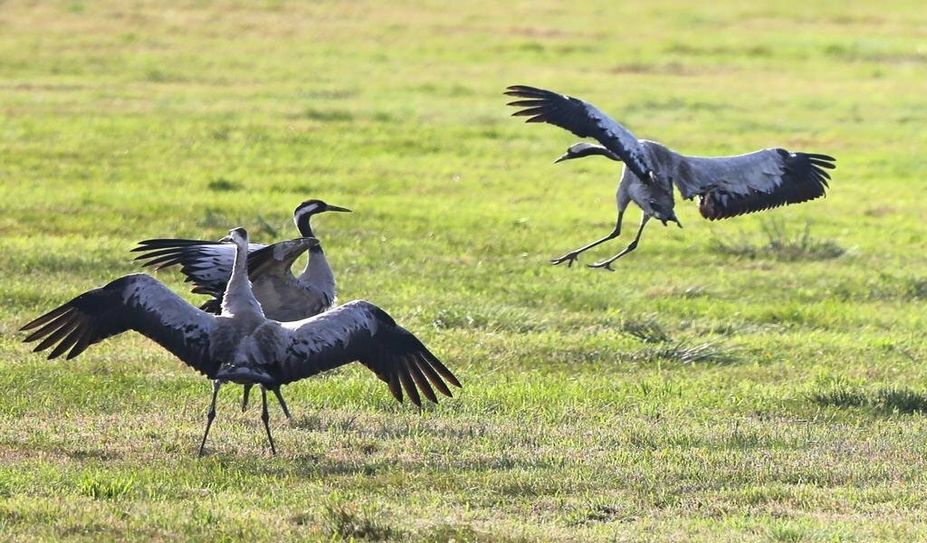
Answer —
(67, 342)
(420, 381)
(82, 343)
(66, 327)
(533, 102)
(48, 328)
(442, 369)
(432, 375)
(409, 387)
(53, 314)
(165, 243)
(394, 387)
(531, 111)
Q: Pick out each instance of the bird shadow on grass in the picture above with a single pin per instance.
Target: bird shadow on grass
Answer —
(886, 400)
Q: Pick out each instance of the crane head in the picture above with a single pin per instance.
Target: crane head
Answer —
(307, 209)
(317, 206)
(582, 149)
(238, 236)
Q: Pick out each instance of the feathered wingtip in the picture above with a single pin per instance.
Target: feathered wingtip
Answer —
(536, 102)
(526, 91)
(810, 166)
(420, 371)
(165, 252)
(804, 177)
(64, 325)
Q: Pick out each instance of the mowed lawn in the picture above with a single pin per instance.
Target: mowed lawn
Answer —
(757, 379)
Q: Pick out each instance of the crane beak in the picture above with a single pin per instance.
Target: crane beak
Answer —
(564, 156)
(225, 239)
(337, 208)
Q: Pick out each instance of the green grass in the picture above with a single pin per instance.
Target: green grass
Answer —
(773, 391)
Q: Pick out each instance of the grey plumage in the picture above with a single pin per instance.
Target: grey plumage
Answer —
(241, 344)
(726, 186)
(284, 296)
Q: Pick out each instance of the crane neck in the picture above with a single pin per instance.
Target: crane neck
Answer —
(304, 226)
(305, 230)
(239, 297)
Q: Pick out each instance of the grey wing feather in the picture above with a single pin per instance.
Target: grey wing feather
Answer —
(360, 331)
(133, 302)
(734, 185)
(582, 119)
(278, 258)
(207, 264)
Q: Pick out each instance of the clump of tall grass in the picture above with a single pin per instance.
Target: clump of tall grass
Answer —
(687, 351)
(886, 399)
(662, 346)
(646, 329)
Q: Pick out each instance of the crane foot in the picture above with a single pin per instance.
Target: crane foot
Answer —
(602, 266)
(569, 258)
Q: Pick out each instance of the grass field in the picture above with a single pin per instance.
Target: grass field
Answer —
(758, 379)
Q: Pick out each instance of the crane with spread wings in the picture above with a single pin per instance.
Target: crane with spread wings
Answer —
(727, 186)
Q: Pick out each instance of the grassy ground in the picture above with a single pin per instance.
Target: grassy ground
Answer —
(760, 379)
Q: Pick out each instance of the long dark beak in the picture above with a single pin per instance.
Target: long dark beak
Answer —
(565, 156)
(336, 208)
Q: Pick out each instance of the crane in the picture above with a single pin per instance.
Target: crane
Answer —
(241, 344)
(283, 296)
(727, 186)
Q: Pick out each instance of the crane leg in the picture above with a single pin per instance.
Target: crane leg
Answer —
(276, 391)
(211, 414)
(266, 417)
(607, 264)
(571, 257)
(244, 397)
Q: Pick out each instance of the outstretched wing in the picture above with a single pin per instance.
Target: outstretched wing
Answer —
(583, 119)
(731, 186)
(207, 264)
(133, 302)
(360, 331)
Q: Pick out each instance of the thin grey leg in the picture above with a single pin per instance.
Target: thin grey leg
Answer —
(211, 414)
(570, 257)
(244, 398)
(276, 391)
(266, 417)
(607, 264)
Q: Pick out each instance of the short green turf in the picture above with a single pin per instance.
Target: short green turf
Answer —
(757, 379)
